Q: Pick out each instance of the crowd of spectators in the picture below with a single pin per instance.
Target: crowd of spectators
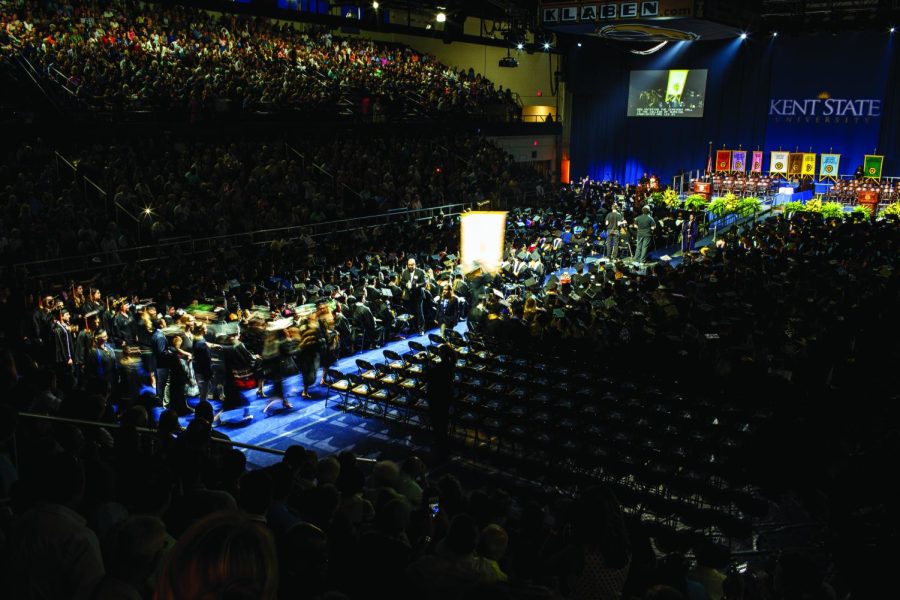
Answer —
(130, 55)
(171, 188)
(176, 514)
(779, 308)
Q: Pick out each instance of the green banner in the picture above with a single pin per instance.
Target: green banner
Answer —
(872, 166)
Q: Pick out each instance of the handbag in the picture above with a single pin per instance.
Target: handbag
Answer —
(190, 387)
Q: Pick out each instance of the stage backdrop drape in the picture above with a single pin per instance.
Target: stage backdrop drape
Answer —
(743, 79)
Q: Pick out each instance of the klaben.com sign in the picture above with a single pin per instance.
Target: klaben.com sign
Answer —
(611, 11)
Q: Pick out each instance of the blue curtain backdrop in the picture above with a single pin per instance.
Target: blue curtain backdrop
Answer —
(742, 77)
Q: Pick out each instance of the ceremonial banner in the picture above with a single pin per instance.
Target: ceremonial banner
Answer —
(756, 162)
(795, 164)
(739, 161)
(809, 164)
(779, 163)
(872, 166)
(723, 161)
(828, 168)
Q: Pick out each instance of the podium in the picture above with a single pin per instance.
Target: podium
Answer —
(702, 188)
(868, 198)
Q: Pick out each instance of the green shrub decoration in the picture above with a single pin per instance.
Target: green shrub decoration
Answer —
(790, 208)
(892, 209)
(814, 206)
(670, 199)
(723, 205)
(695, 202)
(833, 210)
(749, 205)
(862, 210)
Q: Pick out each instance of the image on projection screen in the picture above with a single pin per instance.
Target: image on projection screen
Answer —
(672, 93)
(481, 240)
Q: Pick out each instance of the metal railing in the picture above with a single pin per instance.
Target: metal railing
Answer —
(100, 261)
(726, 222)
(320, 168)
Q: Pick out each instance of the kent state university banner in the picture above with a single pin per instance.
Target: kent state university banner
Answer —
(723, 161)
(739, 161)
(813, 105)
(779, 162)
(795, 163)
(756, 162)
(809, 164)
(872, 165)
(828, 166)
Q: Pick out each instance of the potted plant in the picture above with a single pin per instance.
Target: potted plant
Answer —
(833, 210)
(723, 205)
(861, 212)
(748, 206)
(670, 199)
(695, 202)
(790, 208)
(891, 211)
(814, 206)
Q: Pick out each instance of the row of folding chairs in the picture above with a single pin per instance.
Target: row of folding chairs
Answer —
(509, 410)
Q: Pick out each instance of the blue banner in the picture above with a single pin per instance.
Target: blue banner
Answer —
(828, 168)
(816, 107)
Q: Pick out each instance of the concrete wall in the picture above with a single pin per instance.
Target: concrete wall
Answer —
(531, 149)
(533, 76)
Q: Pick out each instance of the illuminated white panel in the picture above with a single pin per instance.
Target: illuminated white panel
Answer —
(482, 238)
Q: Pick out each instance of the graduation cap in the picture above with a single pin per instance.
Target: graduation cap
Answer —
(552, 280)
(91, 314)
(531, 282)
(299, 286)
(574, 297)
(579, 268)
(279, 324)
(451, 257)
(498, 293)
(592, 291)
(535, 256)
(448, 263)
(556, 232)
(435, 257)
(560, 313)
(522, 255)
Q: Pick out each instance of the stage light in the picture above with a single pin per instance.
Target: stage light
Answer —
(743, 36)
(546, 45)
(893, 29)
(579, 44)
(520, 46)
(774, 34)
(375, 5)
(441, 17)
